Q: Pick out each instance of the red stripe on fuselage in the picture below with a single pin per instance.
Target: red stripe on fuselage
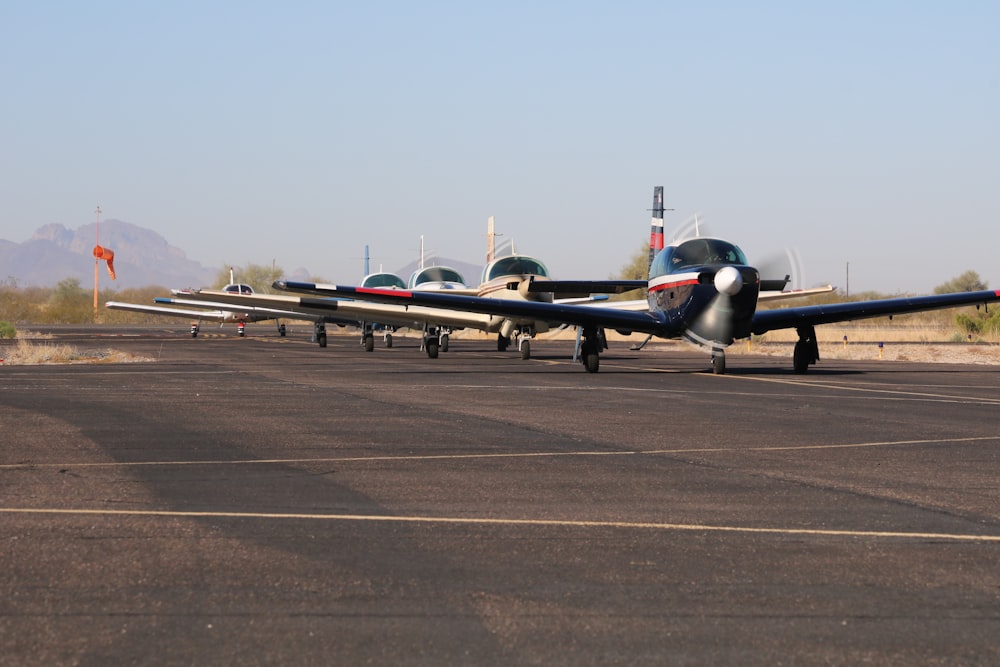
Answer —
(679, 283)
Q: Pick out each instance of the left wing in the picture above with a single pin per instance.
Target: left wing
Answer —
(787, 318)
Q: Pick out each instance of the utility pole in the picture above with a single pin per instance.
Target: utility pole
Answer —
(847, 280)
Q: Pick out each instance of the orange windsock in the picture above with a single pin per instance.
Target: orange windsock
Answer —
(107, 254)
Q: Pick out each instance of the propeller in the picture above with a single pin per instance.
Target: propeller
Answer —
(781, 265)
(713, 328)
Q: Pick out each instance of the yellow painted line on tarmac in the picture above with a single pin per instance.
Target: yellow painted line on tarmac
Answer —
(547, 523)
(499, 455)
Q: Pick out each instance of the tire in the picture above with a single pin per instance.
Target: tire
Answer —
(369, 343)
(800, 359)
(444, 342)
(321, 338)
(432, 348)
(388, 340)
(526, 350)
(719, 364)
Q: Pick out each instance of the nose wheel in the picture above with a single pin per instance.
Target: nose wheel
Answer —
(718, 362)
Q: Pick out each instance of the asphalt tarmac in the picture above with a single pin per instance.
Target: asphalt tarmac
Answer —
(261, 500)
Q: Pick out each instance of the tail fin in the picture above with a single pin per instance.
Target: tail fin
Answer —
(656, 231)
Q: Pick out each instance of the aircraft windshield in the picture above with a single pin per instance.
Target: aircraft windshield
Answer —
(436, 274)
(517, 265)
(696, 252)
(383, 280)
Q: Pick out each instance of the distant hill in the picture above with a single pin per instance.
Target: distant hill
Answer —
(142, 258)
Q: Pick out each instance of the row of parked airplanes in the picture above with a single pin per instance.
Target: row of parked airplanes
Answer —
(700, 289)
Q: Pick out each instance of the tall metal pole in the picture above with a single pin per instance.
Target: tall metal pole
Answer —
(97, 261)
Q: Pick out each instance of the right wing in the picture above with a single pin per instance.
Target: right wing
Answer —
(211, 315)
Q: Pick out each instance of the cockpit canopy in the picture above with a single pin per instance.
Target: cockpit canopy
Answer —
(436, 274)
(241, 288)
(384, 280)
(516, 265)
(696, 252)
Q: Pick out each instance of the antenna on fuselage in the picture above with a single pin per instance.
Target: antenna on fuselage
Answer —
(367, 261)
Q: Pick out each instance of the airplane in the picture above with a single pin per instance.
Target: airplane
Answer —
(222, 313)
(700, 289)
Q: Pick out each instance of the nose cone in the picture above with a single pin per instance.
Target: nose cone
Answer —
(728, 281)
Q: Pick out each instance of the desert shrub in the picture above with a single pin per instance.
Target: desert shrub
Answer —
(7, 330)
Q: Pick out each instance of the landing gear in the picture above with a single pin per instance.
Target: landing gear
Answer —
(319, 333)
(444, 342)
(806, 350)
(525, 349)
(387, 339)
(503, 342)
(718, 362)
(369, 342)
(194, 329)
(432, 346)
(281, 330)
(593, 341)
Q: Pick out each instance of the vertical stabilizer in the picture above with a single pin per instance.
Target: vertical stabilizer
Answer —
(656, 231)
(490, 241)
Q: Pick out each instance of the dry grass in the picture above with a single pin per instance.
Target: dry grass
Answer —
(27, 353)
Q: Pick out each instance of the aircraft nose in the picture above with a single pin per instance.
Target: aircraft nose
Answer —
(728, 280)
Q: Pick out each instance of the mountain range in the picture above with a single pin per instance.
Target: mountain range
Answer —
(143, 258)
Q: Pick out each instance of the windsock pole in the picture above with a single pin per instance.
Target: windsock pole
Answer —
(97, 261)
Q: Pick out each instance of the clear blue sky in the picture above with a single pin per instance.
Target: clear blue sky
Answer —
(297, 132)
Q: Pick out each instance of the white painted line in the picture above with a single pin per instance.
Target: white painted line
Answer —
(549, 523)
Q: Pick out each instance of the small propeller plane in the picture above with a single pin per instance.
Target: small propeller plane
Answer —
(702, 290)
(199, 311)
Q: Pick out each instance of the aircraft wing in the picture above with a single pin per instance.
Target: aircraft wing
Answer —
(792, 317)
(253, 313)
(354, 311)
(443, 302)
(186, 313)
(778, 295)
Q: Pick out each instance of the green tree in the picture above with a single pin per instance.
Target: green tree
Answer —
(69, 303)
(967, 282)
(637, 268)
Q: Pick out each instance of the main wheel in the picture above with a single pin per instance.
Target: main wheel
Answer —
(444, 342)
(526, 349)
(369, 342)
(591, 361)
(800, 358)
(388, 340)
(321, 338)
(432, 348)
